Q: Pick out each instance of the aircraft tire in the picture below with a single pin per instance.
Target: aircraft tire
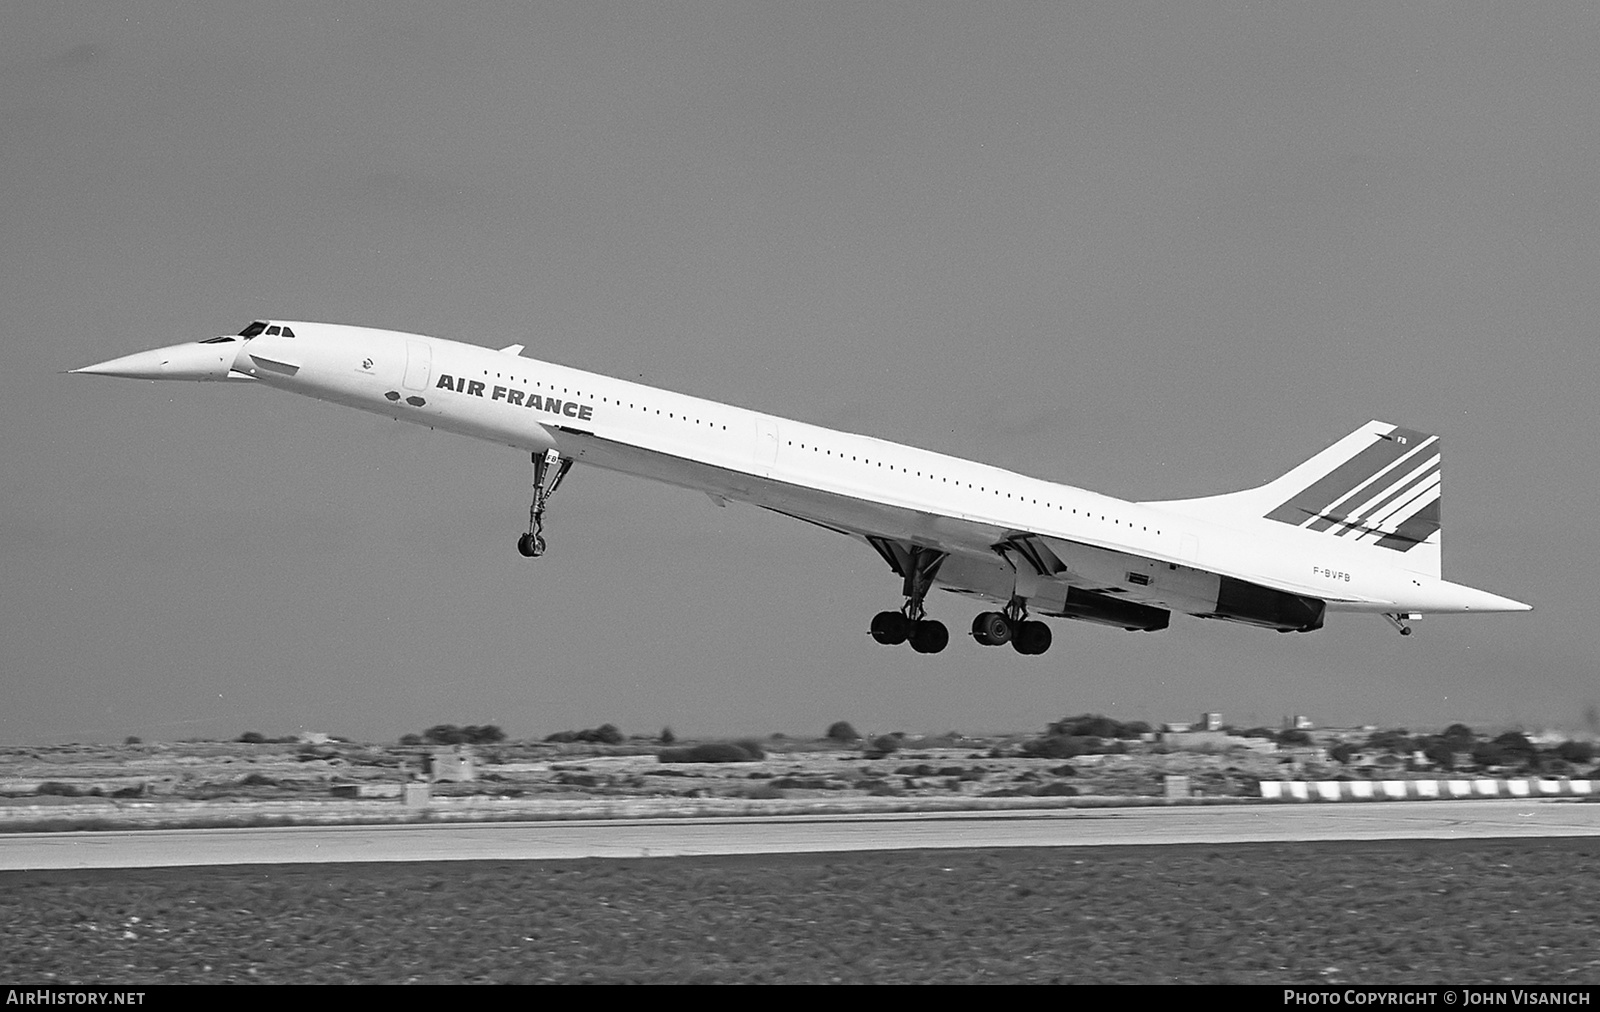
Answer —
(1032, 638)
(890, 627)
(526, 546)
(991, 629)
(929, 637)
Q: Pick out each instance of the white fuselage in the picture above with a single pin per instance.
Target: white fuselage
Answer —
(847, 482)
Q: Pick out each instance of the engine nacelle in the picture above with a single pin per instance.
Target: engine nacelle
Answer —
(1103, 609)
(1253, 604)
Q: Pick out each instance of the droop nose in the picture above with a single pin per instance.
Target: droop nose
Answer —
(197, 360)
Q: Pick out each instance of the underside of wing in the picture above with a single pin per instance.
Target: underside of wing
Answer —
(1020, 569)
(1046, 575)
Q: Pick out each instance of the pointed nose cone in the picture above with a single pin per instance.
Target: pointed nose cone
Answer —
(192, 361)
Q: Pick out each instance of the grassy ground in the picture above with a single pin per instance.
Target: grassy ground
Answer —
(1418, 912)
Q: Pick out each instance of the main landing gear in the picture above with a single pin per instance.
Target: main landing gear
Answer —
(926, 635)
(994, 628)
(548, 470)
(910, 623)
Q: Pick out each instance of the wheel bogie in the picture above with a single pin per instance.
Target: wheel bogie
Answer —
(991, 628)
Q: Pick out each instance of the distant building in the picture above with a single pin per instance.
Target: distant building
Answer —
(450, 762)
(1211, 721)
(1201, 740)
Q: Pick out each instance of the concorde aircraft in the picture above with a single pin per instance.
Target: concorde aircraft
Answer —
(1355, 528)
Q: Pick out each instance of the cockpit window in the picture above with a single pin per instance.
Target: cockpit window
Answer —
(260, 327)
(224, 339)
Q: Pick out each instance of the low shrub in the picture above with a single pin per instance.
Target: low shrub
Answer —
(709, 752)
(605, 734)
(840, 730)
(1576, 751)
(1060, 746)
(882, 746)
(1096, 725)
(472, 734)
(761, 792)
(807, 784)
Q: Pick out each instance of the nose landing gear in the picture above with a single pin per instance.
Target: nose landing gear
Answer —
(548, 470)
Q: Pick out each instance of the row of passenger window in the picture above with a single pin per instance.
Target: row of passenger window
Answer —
(981, 488)
(815, 449)
(606, 400)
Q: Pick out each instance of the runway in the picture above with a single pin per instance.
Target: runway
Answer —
(546, 841)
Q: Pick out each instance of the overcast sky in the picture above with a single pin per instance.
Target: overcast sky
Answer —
(1155, 250)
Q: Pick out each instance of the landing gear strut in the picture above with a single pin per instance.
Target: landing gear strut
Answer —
(548, 470)
(993, 629)
(917, 565)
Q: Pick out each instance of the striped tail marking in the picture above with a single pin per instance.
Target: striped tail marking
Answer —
(1387, 493)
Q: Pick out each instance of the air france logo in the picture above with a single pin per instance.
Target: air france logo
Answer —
(517, 397)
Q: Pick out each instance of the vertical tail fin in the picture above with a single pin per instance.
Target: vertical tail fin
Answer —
(1377, 486)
